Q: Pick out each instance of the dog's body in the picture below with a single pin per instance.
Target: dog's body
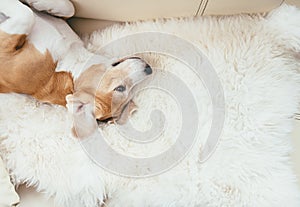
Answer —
(41, 56)
(31, 46)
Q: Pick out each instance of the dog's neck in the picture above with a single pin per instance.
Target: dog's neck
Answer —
(79, 60)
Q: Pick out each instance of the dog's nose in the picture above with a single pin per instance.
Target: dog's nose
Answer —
(148, 69)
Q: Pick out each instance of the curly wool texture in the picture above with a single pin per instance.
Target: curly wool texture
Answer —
(255, 58)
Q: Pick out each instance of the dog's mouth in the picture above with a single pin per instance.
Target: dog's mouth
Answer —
(104, 121)
(121, 117)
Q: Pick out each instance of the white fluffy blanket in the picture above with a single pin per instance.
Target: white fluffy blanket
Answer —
(256, 58)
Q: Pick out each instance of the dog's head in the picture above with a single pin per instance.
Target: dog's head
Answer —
(103, 92)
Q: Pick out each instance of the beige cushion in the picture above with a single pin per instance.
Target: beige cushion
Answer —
(98, 14)
(222, 7)
(83, 25)
(8, 196)
(131, 10)
(293, 2)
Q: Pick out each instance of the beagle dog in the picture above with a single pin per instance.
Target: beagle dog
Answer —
(41, 56)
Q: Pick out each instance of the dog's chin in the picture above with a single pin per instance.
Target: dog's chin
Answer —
(109, 120)
(121, 116)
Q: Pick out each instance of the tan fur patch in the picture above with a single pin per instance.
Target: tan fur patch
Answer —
(23, 69)
(57, 88)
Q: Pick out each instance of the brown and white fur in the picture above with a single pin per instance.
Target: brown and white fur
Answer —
(41, 56)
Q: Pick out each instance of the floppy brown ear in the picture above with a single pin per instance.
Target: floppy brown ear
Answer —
(55, 91)
(82, 110)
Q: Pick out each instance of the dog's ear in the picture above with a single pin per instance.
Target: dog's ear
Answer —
(82, 110)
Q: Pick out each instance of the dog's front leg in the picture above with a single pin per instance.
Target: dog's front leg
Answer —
(60, 8)
(84, 122)
(17, 18)
(16, 23)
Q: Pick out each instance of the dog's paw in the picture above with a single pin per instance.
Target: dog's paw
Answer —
(16, 18)
(60, 8)
(74, 106)
(84, 122)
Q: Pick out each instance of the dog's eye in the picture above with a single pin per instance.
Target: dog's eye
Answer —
(120, 88)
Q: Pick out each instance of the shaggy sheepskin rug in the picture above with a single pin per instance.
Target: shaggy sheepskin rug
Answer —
(256, 59)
